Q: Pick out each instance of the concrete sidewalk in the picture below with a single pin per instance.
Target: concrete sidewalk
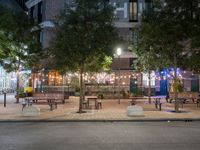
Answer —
(112, 111)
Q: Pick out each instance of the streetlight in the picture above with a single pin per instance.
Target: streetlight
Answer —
(119, 52)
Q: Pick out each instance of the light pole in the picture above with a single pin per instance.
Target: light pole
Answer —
(119, 52)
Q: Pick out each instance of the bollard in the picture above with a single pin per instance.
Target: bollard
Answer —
(4, 93)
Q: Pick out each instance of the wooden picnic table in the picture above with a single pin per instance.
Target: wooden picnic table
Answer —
(90, 99)
(51, 101)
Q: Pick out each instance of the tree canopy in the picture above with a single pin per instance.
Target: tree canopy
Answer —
(85, 35)
(19, 46)
(172, 30)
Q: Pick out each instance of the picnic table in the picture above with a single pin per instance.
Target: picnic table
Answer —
(93, 101)
(51, 101)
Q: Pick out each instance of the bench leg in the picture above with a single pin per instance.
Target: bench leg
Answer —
(56, 105)
(156, 105)
(198, 102)
(100, 104)
(181, 105)
(51, 107)
(23, 106)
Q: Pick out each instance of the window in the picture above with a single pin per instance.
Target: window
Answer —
(133, 10)
(40, 12)
(41, 37)
(148, 5)
(32, 12)
(146, 80)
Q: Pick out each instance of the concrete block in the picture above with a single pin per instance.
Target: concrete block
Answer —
(31, 111)
(135, 111)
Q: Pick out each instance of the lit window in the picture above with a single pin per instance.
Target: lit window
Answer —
(133, 10)
(146, 79)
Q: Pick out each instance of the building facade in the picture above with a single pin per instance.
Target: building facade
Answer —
(127, 18)
(7, 81)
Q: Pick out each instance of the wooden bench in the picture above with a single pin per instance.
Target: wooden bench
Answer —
(187, 96)
(59, 97)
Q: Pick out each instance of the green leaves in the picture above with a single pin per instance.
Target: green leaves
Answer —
(19, 46)
(84, 36)
(173, 34)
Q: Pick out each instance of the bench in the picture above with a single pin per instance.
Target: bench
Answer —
(191, 96)
(59, 97)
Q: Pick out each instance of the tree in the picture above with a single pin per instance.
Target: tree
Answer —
(84, 37)
(145, 62)
(147, 59)
(172, 31)
(19, 46)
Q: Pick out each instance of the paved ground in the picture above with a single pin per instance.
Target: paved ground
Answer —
(111, 111)
(100, 136)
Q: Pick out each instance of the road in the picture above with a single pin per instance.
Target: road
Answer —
(100, 136)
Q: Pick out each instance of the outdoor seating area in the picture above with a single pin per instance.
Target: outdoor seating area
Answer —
(92, 102)
(98, 109)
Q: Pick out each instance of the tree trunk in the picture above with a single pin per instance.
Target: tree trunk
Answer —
(81, 90)
(176, 85)
(149, 88)
(63, 88)
(33, 82)
(17, 88)
(176, 91)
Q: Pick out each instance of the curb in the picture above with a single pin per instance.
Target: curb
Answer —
(105, 121)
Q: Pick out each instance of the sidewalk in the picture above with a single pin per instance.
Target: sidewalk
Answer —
(112, 111)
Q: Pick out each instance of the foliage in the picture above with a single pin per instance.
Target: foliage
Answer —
(171, 31)
(85, 36)
(19, 46)
(75, 83)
